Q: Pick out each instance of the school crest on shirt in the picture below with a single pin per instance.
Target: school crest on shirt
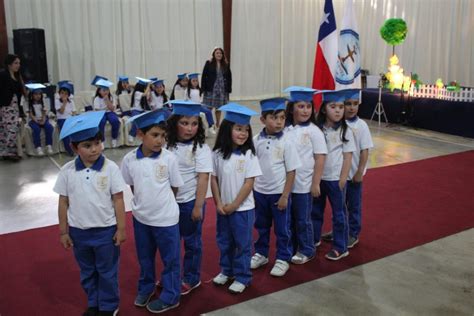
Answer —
(161, 172)
(278, 153)
(102, 183)
(240, 165)
(305, 139)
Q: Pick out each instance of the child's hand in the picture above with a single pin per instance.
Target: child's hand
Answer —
(342, 184)
(315, 190)
(357, 177)
(229, 208)
(220, 209)
(66, 241)
(196, 214)
(282, 203)
(120, 236)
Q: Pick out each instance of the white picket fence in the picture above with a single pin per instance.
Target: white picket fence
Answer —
(431, 91)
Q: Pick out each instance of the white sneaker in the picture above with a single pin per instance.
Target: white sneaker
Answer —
(39, 151)
(300, 258)
(237, 287)
(280, 268)
(131, 139)
(114, 143)
(220, 279)
(49, 150)
(257, 261)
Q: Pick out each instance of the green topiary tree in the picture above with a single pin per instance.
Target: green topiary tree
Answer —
(394, 32)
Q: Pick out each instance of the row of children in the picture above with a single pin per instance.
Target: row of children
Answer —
(146, 94)
(281, 176)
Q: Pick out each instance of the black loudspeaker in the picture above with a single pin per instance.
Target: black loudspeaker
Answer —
(30, 46)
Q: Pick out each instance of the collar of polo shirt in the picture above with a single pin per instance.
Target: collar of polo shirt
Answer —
(140, 154)
(97, 166)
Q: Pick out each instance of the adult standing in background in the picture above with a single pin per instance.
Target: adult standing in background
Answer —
(216, 82)
(11, 90)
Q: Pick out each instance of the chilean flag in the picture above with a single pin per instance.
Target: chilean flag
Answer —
(325, 62)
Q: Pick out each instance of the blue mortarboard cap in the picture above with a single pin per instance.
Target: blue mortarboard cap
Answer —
(237, 113)
(123, 78)
(340, 95)
(158, 82)
(66, 85)
(182, 76)
(143, 81)
(187, 108)
(97, 78)
(153, 79)
(147, 118)
(35, 87)
(273, 104)
(104, 83)
(300, 93)
(193, 75)
(82, 127)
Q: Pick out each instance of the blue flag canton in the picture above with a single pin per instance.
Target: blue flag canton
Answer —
(328, 24)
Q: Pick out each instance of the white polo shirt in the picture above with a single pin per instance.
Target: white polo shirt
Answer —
(137, 99)
(231, 174)
(68, 109)
(152, 177)
(179, 92)
(90, 191)
(193, 95)
(363, 140)
(190, 164)
(336, 148)
(277, 155)
(156, 101)
(99, 104)
(309, 140)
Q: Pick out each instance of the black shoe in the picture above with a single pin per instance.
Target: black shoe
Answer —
(327, 236)
(108, 313)
(91, 311)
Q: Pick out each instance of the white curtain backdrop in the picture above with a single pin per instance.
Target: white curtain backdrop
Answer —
(274, 41)
(112, 37)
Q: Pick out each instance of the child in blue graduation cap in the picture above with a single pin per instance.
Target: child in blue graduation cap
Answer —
(123, 86)
(92, 212)
(194, 93)
(179, 88)
(38, 118)
(65, 108)
(138, 103)
(363, 142)
(153, 175)
(312, 150)
(278, 159)
(340, 143)
(104, 101)
(185, 137)
(157, 98)
(234, 171)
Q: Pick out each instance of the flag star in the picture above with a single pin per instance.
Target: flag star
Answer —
(325, 18)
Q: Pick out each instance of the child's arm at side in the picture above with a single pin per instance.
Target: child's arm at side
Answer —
(346, 167)
(364, 157)
(64, 238)
(283, 200)
(120, 235)
(216, 195)
(319, 160)
(244, 192)
(203, 180)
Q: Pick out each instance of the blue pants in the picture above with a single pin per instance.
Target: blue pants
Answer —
(66, 141)
(302, 227)
(98, 258)
(354, 207)
(266, 211)
(166, 239)
(337, 199)
(234, 239)
(208, 113)
(114, 121)
(133, 130)
(191, 232)
(36, 131)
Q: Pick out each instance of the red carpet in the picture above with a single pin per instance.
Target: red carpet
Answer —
(405, 206)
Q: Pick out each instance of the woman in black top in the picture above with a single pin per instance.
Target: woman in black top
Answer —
(216, 82)
(11, 90)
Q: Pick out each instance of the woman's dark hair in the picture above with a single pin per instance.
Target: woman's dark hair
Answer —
(138, 87)
(224, 62)
(10, 59)
(30, 101)
(163, 94)
(188, 89)
(321, 118)
(289, 113)
(172, 132)
(224, 140)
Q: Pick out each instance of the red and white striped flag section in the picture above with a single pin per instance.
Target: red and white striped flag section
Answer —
(326, 54)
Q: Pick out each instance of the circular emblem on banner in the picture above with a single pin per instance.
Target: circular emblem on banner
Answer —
(348, 63)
